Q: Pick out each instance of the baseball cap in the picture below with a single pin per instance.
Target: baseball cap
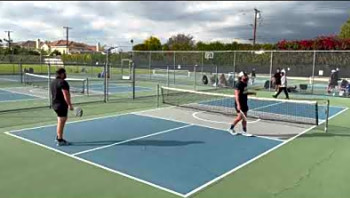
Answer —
(241, 74)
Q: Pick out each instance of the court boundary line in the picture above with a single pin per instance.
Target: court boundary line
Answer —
(132, 139)
(257, 157)
(88, 119)
(10, 133)
(201, 125)
(96, 165)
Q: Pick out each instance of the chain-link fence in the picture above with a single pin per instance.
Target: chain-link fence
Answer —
(308, 72)
(126, 76)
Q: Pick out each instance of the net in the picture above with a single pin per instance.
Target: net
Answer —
(41, 81)
(295, 111)
(171, 72)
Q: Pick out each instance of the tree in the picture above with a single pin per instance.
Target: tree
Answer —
(153, 43)
(181, 42)
(345, 30)
(140, 47)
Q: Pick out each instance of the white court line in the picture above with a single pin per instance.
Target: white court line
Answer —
(21, 100)
(201, 125)
(255, 158)
(8, 79)
(17, 92)
(90, 119)
(270, 105)
(97, 165)
(140, 180)
(130, 140)
(218, 122)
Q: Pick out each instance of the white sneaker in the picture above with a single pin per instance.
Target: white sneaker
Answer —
(247, 134)
(232, 132)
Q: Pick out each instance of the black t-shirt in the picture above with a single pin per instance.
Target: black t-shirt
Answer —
(243, 96)
(277, 78)
(253, 74)
(56, 87)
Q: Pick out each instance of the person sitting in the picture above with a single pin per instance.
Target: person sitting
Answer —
(222, 81)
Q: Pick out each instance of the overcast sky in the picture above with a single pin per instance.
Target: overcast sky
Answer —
(115, 23)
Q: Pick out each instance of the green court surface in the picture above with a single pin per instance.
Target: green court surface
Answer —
(312, 165)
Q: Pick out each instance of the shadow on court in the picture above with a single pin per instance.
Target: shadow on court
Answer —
(138, 143)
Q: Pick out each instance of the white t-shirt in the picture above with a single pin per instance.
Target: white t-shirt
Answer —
(283, 81)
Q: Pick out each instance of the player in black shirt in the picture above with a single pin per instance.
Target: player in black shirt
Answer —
(241, 103)
(253, 75)
(277, 79)
(61, 101)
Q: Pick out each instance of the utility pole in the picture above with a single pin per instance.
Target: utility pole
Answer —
(256, 16)
(8, 40)
(67, 35)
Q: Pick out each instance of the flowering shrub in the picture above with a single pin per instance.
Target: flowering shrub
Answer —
(331, 42)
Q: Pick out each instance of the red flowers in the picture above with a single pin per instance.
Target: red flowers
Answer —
(331, 42)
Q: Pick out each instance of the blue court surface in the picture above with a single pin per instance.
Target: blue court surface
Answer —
(174, 156)
(6, 96)
(117, 88)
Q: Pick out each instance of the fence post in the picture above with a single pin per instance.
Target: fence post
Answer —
(149, 65)
(48, 83)
(217, 77)
(20, 71)
(174, 67)
(195, 76)
(271, 64)
(234, 68)
(313, 72)
(133, 79)
(167, 72)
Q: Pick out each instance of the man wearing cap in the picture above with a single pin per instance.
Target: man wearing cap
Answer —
(241, 103)
(61, 101)
(283, 86)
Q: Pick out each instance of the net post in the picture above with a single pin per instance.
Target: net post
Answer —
(316, 113)
(327, 117)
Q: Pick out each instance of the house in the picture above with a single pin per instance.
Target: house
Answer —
(73, 47)
(60, 46)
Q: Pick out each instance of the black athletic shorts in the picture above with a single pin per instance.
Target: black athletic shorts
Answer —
(244, 107)
(61, 111)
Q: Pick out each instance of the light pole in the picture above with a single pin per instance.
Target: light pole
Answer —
(256, 16)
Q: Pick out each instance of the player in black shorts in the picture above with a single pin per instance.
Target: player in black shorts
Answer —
(241, 103)
(61, 101)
